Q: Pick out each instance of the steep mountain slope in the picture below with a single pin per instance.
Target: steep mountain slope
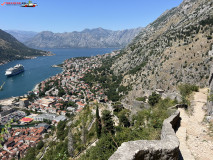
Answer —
(22, 36)
(88, 38)
(173, 49)
(11, 49)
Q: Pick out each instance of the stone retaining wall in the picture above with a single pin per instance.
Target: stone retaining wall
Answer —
(165, 149)
(210, 103)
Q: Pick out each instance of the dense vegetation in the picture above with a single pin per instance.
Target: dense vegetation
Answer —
(57, 151)
(154, 98)
(62, 131)
(208, 21)
(146, 124)
(137, 68)
(84, 130)
(11, 49)
(186, 90)
(109, 81)
(98, 123)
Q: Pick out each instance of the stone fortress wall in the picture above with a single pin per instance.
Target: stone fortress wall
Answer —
(210, 103)
(165, 149)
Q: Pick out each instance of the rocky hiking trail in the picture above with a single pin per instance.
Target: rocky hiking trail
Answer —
(195, 143)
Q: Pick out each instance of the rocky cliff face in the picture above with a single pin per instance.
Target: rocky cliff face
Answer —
(88, 38)
(173, 49)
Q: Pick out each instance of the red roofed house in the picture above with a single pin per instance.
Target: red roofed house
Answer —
(80, 104)
(26, 120)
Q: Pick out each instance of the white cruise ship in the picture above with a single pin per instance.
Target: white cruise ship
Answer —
(14, 70)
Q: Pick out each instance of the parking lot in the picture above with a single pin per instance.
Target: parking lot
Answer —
(15, 116)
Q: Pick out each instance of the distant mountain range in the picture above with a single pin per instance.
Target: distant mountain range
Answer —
(12, 49)
(88, 38)
(22, 36)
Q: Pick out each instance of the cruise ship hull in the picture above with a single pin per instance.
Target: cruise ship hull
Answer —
(13, 74)
(15, 70)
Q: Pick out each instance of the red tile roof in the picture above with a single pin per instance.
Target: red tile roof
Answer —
(81, 104)
(26, 119)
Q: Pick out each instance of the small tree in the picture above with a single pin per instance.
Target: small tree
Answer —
(124, 120)
(108, 122)
(40, 145)
(61, 132)
(61, 92)
(70, 144)
(154, 98)
(31, 154)
(98, 123)
(4, 130)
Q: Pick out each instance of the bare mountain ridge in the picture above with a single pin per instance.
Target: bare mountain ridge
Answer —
(21, 36)
(88, 38)
(173, 49)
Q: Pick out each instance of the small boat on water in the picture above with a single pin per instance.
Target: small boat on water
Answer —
(14, 70)
(1, 87)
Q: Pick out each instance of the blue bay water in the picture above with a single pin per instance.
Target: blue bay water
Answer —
(39, 69)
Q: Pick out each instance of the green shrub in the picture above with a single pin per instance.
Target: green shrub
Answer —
(187, 89)
(209, 37)
(210, 97)
(61, 130)
(124, 118)
(154, 98)
(141, 98)
(40, 145)
(137, 68)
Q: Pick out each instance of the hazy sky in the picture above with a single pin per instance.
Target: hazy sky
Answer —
(76, 15)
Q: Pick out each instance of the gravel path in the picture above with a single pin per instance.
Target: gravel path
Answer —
(195, 143)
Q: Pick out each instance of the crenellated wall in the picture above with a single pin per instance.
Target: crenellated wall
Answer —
(165, 149)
